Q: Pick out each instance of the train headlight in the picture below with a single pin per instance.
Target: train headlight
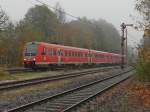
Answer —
(34, 59)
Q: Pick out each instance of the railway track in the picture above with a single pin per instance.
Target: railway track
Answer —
(18, 70)
(73, 98)
(22, 70)
(23, 83)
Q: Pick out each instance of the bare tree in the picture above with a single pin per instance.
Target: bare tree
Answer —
(143, 7)
(60, 13)
(3, 19)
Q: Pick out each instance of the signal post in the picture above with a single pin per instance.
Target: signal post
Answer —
(123, 39)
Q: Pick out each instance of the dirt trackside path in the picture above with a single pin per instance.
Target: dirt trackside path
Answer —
(129, 96)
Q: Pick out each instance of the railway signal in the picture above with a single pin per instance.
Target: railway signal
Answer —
(124, 38)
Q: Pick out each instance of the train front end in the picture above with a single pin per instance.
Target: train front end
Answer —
(30, 53)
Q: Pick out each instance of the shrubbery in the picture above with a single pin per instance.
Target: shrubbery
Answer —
(142, 69)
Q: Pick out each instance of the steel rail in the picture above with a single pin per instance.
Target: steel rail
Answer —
(93, 96)
(23, 83)
(29, 105)
(18, 70)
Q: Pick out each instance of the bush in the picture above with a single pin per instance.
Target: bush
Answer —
(142, 69)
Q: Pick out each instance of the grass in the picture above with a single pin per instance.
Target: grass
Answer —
(4, 95)
(30, 75)
(4, 75)
(142, 70)
(10, 94)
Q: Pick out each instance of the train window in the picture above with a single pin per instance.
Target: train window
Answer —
(62, 53)
(75, 53)
(72, 53)
(51, 52)
(69, 53)
(95, 55)
(54, 52)
(44, 51)
(65, 53)
(78, 54)
(89, 55)
(86, 55)
(101, 56)
(31, 50)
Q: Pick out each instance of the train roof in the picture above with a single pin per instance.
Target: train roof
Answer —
(107, 53)
(57, 45)
(70, 47)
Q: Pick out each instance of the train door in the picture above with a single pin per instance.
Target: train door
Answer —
(59, 56)
(43, 54)
(90, 57)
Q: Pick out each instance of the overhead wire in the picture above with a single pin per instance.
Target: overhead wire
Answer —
(39, 1)
(30, 2)
(68, 14)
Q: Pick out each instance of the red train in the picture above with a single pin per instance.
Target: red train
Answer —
(44, 55)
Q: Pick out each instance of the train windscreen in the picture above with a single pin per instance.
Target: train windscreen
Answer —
(30, 50)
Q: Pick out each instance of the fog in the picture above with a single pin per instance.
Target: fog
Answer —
(113, 11)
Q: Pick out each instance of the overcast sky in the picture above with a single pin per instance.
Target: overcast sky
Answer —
(114, 11)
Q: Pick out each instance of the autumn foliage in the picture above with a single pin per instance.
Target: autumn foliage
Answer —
(42, 24)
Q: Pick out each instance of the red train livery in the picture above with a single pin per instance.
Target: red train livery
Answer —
(40, 54)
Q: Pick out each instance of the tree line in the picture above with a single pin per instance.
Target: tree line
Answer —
(42, 24)
(143, 63)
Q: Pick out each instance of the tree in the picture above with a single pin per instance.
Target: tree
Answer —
(3, 19)
(60, 13)
(43, 20)
(143, 63)
(94, 35)
(143, 7)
